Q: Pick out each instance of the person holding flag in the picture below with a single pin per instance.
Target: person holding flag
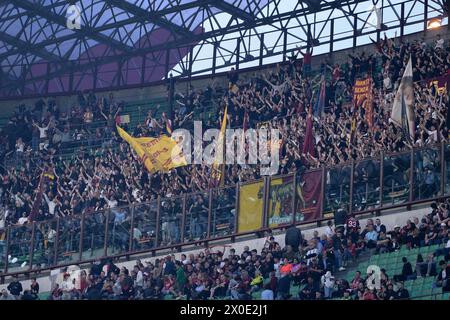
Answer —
(167, 123)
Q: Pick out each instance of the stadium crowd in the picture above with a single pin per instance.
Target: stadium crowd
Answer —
(309, 264)
(111, 176)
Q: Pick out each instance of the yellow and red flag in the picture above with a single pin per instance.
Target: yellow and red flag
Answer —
(157, 154)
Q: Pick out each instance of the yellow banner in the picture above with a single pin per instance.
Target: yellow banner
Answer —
(250, 207)
(157, 154)
(218, 166)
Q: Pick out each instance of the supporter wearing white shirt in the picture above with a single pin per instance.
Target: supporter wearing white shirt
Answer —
(23, 219)
(440, 43)
(139, 282)
(112, 203)
(51, 204)
(66, 284)
(42, 131)
(329, 230)
(433, 135)
(387, 83)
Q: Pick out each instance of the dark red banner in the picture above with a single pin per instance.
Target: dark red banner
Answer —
(309, 196)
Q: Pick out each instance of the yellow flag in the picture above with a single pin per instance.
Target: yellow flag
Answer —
(156, 153)
(219, 162)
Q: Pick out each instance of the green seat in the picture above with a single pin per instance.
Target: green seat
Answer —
(425, 251)
(429, 280)
(426, 291)
(437, 296)
(426, 298)
(257, 295)
(383, 261)
(446, 296)
(409, 286)
(363, 267)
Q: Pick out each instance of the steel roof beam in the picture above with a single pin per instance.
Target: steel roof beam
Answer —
(150, 16)
(83, 32)
(24, 47)
(234, 11)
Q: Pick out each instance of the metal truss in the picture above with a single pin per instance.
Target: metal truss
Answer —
(135, 42)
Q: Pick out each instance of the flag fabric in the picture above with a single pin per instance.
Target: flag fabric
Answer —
(308, 144)
(319, 106)
(353, 126)
(218, 167)
(405, 126)
(169, 127)
(157, 154)
(363, 97)
(405, 92)
(245, 122)
(46, 176)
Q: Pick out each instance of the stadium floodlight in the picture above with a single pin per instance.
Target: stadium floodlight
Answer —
(434, 23)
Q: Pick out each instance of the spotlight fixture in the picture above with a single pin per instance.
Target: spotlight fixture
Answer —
(434, 23)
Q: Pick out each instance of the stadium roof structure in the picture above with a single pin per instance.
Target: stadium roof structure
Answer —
(122, 43)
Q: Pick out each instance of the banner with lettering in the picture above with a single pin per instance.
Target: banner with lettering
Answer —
(157, 154)
(440, 84)
(362, 97)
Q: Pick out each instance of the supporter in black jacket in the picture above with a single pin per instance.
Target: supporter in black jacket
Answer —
(15, 287)
(443, 277)
(293, 237)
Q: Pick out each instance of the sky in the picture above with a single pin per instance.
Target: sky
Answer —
(273, 36)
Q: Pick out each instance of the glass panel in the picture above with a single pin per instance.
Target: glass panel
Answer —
(94, 235)
(251, 201)
(366, 185)
(337, 188)
(144, 230)
(447, 168)
(3, 240)
(196, 217)
(170, 222)
(19, 248)
(396, 171)
(309, 196)
(427, 173)
(281, 194)
(44, 244)
(119, 231)
(223, 212)
(69, 237)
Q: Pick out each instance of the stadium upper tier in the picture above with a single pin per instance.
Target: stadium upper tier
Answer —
(65, 47)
